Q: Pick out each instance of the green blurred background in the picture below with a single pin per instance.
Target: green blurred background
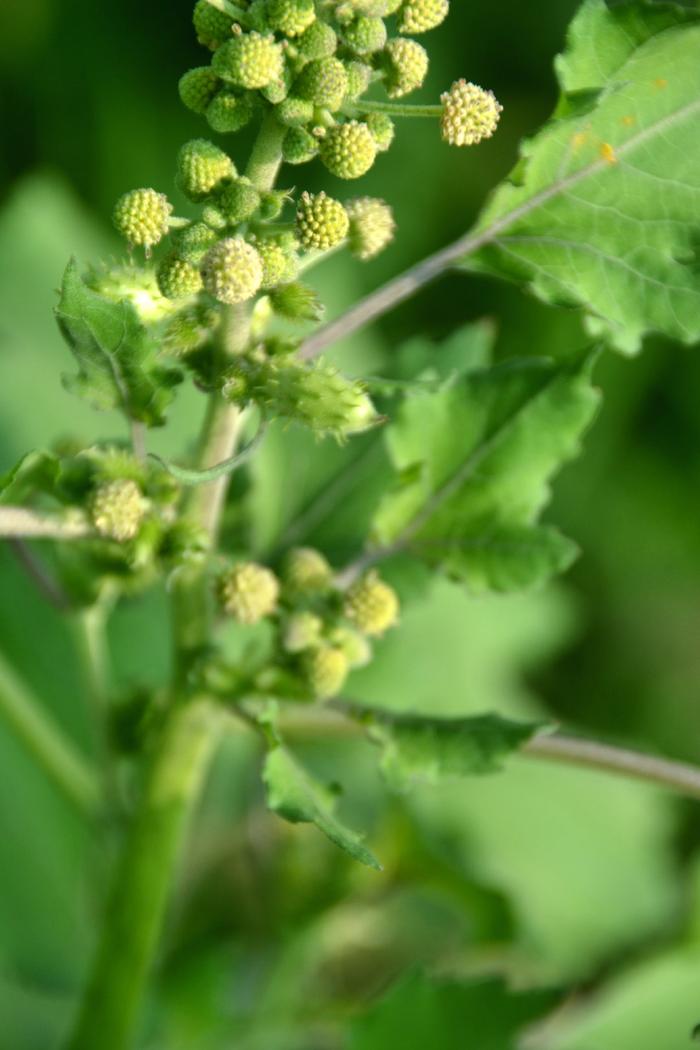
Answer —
(553, 878)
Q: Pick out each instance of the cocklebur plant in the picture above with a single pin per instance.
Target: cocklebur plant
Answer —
(600, 214)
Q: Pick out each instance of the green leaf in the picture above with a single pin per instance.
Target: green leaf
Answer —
(35, 472)
(115, 353)
(227, 466)
(430, 749)
(602, 211)
(474, 460)
(293, 794)
(443, 1015)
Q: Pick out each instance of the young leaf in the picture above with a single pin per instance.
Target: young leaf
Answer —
(443, 1015)
(602, 210)
(115, 353)
(35, 472)
(293, 794)
(430, 749)
(474, 462)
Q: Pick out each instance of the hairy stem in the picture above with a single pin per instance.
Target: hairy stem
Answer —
(136, 908)
(266, 155)
(20, 522)
(396, 109)
(46, 742)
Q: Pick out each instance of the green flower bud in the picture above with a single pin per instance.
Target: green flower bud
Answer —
(299, 146)
(278, 90)
(295, 111)
(248, 592)
(317, 396)
(407, 67)
(250, 60)
(322, 222)
(359, 78)
(272, 203)
(302, 630)
(229, 112)
(141, 216)
(117, 509)
(214, 217)
(212, 26)
(190, 329)
(365, 35)
(371, 605)
(192, 243)
(348, 150)
(357, 649)
(418, 16)
(306, 571)
(232, 271)
(377, 8)
(185, 540)
(382, 129)
(291, 17)
(469, 114)
(201, 167)
(324, 82)
(372, 226)
(279, 265)
(239, 200)
(325, 669)
(178, 279)
(319, 41)
(296, 302)
(256, 16)
(197, 88)
(235, 387)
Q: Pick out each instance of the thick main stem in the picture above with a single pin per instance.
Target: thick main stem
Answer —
(135, 910)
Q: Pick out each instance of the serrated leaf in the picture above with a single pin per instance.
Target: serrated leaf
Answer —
(116, 355)
(443, 1015)
(293, 794)
(473, 463)
(428, 750)
(603, 210)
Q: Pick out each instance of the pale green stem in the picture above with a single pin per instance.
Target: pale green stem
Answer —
(46, 742)
(108, 1019)
(235, 12)
(20, 522)
(266, 156)
(396, 109)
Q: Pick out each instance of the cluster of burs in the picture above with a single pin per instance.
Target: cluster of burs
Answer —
(299, 70)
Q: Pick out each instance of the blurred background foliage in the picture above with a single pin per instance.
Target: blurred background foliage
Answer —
(552, 879)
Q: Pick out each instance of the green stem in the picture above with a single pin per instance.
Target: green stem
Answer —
(266, 156)
(45, 741)
(136, 908)
(397, 109)
(235, 12)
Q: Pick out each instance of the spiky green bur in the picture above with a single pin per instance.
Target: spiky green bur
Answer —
(299, 146)
(192, 243)
(197, 87)
(359, 76)
(190, 329)
(317, 396)
(407, 66)
(319, 41)
(326, 670)
(201, 168)
(357, 649)
(348, 150)
(248, 592)
(372, 226)
(306, 571)
(365, 35)
(238, 201)
(296, 302)
(469, 114)
(322, 222)
(279, 264)
(324, 83)
(228, 112)
(371, 605)
(232, 271)
(141, 217)
(301, 631)
(294, 112)
(212, 26)
(382, 129)
(135, 284)
(291, 17)
(117, 509)
(251, 60)
(419, 16)
(178, 279)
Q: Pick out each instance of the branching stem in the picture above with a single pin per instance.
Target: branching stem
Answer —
(22, 523)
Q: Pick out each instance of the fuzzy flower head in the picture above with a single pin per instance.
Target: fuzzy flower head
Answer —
(407, 62)
(117, 509)
(419, 16)
(348, 150)
(322, 222)
(306, 571)
(371, 605)
(141, 216)
(291, 17)
(177, 278)
(372, 226)
(469, 114)
(250, 60)
(201, 168)
(248, 592)
(326, 669)
(232, 271)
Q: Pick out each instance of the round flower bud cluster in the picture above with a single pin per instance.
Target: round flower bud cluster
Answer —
(469, 114)
(419, 16)
(321, 221)
(306, 571)
(142, 216)
(232, 271)
(371, 605)
(248, 592)
(372, 226)
(117, 509)
(201, 168)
